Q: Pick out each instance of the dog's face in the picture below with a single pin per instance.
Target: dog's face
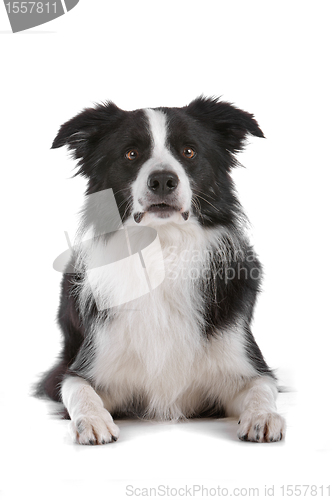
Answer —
(163, 164)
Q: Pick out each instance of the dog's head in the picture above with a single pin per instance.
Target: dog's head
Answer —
(163, 164)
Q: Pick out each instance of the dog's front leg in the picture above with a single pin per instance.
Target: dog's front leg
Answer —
(255, 406)
(90, 422)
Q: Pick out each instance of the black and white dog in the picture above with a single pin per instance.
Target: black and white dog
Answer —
(185, 348)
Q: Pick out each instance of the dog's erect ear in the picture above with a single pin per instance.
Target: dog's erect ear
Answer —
(231, 123)
(81, 132)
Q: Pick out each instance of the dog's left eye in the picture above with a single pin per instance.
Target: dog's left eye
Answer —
(188, 153)
(132, 154)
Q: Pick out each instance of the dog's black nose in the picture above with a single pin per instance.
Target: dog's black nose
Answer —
(162, 182)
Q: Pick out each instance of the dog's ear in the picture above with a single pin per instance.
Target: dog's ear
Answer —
(232, 124)
(81, 133)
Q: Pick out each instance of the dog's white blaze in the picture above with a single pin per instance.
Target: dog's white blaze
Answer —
(158, 130)
(161, 158)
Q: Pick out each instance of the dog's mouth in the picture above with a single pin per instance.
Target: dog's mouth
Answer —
(161, 210)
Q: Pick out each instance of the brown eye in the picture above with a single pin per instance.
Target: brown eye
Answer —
(189, 153)
(132, 154)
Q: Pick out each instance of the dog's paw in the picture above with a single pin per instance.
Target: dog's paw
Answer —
(261, 427)
(96, 427)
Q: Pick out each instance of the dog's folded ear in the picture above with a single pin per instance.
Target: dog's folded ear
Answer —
(231, 123)
(81, 133)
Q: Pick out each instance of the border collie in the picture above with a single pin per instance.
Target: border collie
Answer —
(183, 347)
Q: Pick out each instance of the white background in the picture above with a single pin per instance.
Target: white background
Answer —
(272, 59)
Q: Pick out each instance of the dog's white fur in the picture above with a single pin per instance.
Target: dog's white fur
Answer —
(155, 346)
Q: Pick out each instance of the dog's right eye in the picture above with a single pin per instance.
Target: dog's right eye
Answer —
(132, 154)
(188, 153)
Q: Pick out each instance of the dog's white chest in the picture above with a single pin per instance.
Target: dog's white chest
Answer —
(155, 347)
